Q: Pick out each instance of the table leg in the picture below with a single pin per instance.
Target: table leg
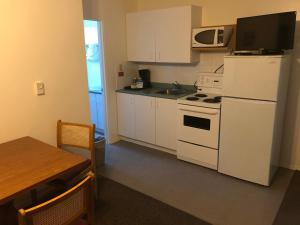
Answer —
(8, 214)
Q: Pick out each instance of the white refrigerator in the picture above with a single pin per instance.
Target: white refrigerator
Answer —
(252, 113)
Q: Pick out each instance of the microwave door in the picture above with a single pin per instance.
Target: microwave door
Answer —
(206, 38)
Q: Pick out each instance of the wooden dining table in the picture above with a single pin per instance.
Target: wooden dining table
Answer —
(27, 163)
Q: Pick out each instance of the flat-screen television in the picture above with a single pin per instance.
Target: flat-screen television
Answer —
(267, 33)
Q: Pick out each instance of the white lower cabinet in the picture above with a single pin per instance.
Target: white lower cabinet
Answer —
(148, 119)
(166, 122)
(145, 118)
(126, 115)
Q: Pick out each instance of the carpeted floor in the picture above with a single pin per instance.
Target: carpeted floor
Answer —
(289, 211)
(119, 205)
(198, 191)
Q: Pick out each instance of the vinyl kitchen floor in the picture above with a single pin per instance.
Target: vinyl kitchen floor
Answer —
(204, 193)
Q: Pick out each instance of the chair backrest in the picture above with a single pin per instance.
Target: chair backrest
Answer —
(64, 209)
(75, 135)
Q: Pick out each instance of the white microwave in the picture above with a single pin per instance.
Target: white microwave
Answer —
(211, 36)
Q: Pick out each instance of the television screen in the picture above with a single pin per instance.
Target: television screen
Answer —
(268, 32)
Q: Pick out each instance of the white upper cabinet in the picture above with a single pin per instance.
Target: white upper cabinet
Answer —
(140, 37)
(173, 35)
(162, 35)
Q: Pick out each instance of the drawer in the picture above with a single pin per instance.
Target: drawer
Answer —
(197, 154)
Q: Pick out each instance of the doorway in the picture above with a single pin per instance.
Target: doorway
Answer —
(94, 60)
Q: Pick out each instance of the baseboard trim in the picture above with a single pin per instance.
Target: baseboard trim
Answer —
(290, 166)
(112, 140)
(296, 167)
(170, 151)
(173, 152)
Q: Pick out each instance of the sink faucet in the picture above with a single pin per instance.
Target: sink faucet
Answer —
(177, 85)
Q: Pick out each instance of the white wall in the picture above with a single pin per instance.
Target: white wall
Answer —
(41, 40)
(217, 12)
(185, 73)
(225, 12)
(112, 15)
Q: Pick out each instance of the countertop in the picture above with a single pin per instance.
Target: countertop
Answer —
(152, 92)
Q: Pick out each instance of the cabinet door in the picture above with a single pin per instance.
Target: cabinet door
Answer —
(145, 118)
(173, 38)
(126, 115)
(141, 36)
(166, 123)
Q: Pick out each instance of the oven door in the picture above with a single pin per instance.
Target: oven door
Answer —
(198, 125)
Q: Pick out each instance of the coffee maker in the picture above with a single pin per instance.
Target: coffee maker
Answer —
(145, 76)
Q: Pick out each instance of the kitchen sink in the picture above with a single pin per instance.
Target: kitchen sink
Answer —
(171, 92)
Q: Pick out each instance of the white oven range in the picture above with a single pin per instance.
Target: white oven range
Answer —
(198, 127)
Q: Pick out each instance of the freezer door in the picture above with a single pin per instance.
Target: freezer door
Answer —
(253, 77)
(246, 139)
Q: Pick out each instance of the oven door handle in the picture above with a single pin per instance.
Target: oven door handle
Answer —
(209, 112)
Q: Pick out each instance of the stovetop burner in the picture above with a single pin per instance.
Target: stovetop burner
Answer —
(212, 100)
(192, 98)
(201, 95)
(200, 99)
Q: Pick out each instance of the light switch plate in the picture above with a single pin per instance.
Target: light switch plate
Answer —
(39, 88)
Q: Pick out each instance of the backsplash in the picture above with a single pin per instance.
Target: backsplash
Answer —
(130, 71)
(184, 73)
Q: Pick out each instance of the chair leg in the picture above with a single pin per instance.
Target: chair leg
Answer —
(94, 170)
(96, 194)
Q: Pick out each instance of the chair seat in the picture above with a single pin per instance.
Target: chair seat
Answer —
(71, 178)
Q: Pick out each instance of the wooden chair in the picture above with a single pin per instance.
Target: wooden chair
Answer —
(77, 136)
(66, 209)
